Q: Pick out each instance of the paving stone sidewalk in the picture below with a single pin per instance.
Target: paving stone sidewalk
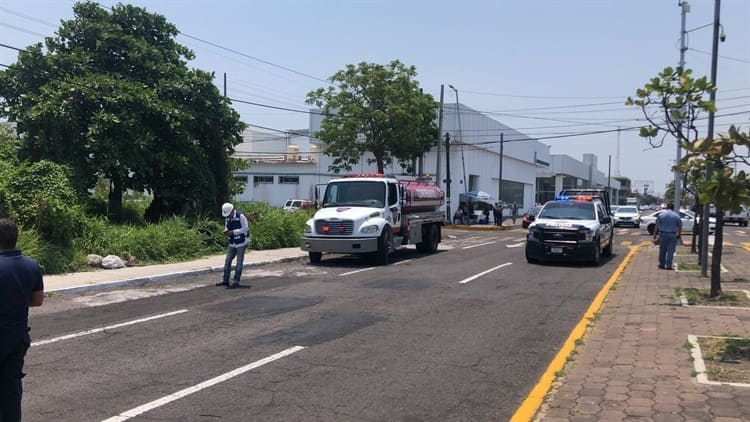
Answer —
(633, 364)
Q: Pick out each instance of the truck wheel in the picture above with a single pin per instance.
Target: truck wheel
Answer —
(434, 238)
(608, 249)
(315, 257)
(651, 228)
(384, 247)
(530, 260)
(430, 239)
(597, 258)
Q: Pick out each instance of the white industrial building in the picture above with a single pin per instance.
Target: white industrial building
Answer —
(568, 173)
(290, 164)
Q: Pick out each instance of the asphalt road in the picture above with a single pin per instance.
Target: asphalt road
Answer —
(461, 335)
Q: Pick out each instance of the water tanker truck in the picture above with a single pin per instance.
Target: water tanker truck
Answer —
(375, 215)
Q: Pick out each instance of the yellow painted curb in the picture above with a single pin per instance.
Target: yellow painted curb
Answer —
(529, 406)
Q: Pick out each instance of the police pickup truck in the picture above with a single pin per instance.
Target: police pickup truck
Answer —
(576, 226)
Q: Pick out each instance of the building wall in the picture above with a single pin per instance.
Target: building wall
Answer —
(479, 156)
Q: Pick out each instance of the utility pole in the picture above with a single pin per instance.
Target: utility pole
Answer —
(448, 215)
(439, 136)
(685, 9)
(710, 135)
(500, 172)
(460, 139)
(225, 84)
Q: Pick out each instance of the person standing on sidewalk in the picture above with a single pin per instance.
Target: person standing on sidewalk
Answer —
(514, 212)
(21, 286)
(237, 231)
(498, 213)
(668, 230)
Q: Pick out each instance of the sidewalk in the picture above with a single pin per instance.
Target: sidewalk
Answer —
(634, 363)
(98, 278)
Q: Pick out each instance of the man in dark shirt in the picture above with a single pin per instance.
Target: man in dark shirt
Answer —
(20, 287)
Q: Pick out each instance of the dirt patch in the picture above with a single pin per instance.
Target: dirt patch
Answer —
(701, 297)
(727, 359)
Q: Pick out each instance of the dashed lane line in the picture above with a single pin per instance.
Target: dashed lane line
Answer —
(110, 327)
(198, 387)
(358, 271)
(474, 277)
(478, 245)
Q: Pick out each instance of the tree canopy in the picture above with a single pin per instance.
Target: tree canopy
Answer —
(378, 109)
(672, 102)
(110, 95)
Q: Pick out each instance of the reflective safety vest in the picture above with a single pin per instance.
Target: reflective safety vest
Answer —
(234, 223)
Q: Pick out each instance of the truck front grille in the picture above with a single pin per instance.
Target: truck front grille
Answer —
(334, 227)
(562, 236)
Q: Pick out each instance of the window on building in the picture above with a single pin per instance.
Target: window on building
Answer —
(241, 179)
(513, 192)
(292, 180)
(257, 180)
(473, 182)
(545, 189)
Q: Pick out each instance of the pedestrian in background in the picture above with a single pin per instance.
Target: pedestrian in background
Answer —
(236, 229)
(514, 212)
(498, 213)
(667, 231)
(21, 286)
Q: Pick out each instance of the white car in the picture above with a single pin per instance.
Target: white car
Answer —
(295, 204)
(648, 222)
(627, 215)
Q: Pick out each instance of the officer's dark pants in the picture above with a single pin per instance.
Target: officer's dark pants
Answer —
(11, 365)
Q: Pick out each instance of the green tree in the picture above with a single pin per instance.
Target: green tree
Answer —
(377, 109)
(680, 101)
(111, 96)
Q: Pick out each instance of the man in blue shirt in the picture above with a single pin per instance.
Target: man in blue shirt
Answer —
(668, 230)
(20, 287)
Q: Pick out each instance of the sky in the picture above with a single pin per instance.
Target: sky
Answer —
(558, 71)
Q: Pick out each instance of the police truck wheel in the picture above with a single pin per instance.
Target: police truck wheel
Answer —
(651, 228)
(315, 257)
(597, 258)
(608, 249)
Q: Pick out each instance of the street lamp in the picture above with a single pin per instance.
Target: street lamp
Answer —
(460, 137)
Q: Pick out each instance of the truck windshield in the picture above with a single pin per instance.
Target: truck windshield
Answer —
(565, 210)
(355, 194)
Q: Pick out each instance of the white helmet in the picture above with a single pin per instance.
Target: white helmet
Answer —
(226, 209)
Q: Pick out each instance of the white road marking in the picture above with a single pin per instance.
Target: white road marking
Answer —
(110, 327)
(515, 245)
(358, 271)
(466, 280)
(402, 262)
(478, 245)
(198, 387)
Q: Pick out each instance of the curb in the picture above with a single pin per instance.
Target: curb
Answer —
(139, 281)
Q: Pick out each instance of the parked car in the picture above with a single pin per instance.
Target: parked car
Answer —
(741, 218)
(296, 204)
(627, 215)
(649, 222)
(529, 216)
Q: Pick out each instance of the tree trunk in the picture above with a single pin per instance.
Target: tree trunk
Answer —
(716, 258)
(693, 243)
(114, 208)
